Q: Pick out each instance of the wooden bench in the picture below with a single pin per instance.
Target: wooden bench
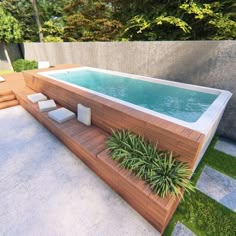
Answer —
(88, 143)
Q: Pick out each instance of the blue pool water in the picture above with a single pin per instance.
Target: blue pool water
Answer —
(183, 104)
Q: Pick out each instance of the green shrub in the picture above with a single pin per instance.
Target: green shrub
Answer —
(21, 65)
(159, 169)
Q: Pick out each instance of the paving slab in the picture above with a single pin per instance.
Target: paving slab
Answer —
(181, 230)
(46, 190)
(226, 146)
(218, 186)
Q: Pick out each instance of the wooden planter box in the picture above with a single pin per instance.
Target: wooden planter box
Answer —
(155, 209)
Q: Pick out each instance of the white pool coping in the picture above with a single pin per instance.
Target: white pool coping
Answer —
(202, 125)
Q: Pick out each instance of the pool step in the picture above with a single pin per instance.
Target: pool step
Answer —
(4, 92)
(7, 99)
(7, 104)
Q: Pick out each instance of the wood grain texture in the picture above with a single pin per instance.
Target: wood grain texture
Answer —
(108, 115)
(7, 97)
(88, 143)
(7, 104)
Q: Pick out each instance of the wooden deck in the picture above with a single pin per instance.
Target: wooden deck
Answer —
(7, 96)
(88, 143)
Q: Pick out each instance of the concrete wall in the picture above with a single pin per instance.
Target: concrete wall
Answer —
(14, 53)
(206, 63)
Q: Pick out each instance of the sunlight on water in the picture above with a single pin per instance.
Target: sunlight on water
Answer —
(183, 104)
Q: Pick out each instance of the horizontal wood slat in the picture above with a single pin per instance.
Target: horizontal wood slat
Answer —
(7, 104)
(7, 97)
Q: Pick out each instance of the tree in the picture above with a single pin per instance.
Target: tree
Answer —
(36, 12)
(51, 9)
(90, 21)
(48, 10)
(53, 30)
(181, 20)
(50, 13)
(22, 10)
(107, 20)
(210, 21)
(10, 31)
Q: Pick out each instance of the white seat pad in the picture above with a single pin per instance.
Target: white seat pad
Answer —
(61, 115)
(2, 79)
(36, 97)
(84, 114)
(47, 105)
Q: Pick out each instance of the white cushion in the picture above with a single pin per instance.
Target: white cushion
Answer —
(47, 105)
(36, 97)
(84, 114)
(2, 79)
(61, 115)
(43, 64)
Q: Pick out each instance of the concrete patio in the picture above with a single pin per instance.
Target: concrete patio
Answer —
(46, 190)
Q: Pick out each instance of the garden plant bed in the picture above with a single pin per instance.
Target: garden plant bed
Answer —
(137, 193)
(88, 143)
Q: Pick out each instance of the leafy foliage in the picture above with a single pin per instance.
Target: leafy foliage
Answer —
(21, 65)
(90, 22)
(53, 31)
(125, 20)
(217, 25)
(22, 11)
(183, 20)
(52, 9)
(164, 174)
(10, 30)
(160, 28)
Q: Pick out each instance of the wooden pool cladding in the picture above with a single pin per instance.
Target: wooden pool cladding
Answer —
(88, 143)
(108, 115)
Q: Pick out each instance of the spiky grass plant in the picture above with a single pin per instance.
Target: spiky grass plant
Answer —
(169, 176)
(159, 169)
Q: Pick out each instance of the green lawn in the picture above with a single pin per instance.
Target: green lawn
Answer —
(201, 214)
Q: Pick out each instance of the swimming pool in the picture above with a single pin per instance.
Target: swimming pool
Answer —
(185, 123)
(189, 105)
(181, 103)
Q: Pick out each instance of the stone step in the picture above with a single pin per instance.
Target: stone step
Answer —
(7, 104)
(7, 97)
(218, 186)
(5, 92)
(181, 230)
